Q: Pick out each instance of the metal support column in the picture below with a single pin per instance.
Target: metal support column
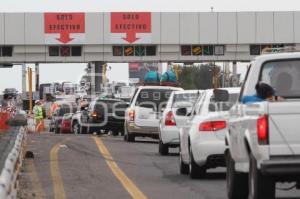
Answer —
(37, 77)
(234, 75)
(92, 77)
(98, 76)
(24, 95)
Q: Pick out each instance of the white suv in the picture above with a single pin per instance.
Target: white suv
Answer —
(172, 119)
(264, 137)
(142, 116)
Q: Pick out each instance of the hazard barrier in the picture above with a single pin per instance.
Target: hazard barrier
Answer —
(12, 165)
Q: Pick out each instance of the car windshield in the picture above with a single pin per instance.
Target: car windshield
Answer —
(283, 76)
(223, 106)
(153, 98)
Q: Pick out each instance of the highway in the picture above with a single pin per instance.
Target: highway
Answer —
(94, 167)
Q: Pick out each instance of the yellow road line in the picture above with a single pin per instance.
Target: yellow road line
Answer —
(35, 180)
(58, 185)
(131, 188)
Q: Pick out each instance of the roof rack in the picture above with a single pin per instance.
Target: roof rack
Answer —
(286, 49)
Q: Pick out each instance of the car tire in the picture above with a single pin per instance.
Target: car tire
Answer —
(195, 170)
(115, 133)
(183, 167)
(128, 137)
(122, 132)
(237, 183)
(56, 130)
(163, 149)
(76, 128)
(260, 186)
(83, 129)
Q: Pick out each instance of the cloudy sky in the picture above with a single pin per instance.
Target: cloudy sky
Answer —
(59, 72)
(147, 5)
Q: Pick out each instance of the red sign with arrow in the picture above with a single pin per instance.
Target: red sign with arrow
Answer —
(131, 23)
(64, 24)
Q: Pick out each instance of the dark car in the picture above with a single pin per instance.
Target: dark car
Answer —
(57, 116)
(104, 115)
(10, 93)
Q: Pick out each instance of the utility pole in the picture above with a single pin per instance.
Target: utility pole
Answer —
(37, 77)
(30, 89)
(24, 93)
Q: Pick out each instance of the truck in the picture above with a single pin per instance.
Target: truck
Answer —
(263, 138)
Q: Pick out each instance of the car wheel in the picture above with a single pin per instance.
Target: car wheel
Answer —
(195, 170)
(260, 186)
(183, 167)
(83, 129)
(76, 128)
(57, 130)
(128, 137)
(163, 149)
(237, 183)
(115, 133)
(122, 132)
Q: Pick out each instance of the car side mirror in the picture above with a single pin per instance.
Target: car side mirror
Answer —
(221, 95)
(182, 112)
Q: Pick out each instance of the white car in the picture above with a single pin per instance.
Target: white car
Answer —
(171, 119)
(202, 143)
(142, 116)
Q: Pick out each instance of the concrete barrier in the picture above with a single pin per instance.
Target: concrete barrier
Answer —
(11, 169)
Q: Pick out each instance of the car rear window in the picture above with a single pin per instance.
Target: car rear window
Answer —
(283, 76)
(153, 98)
(185, 97)
(110, 105)
(223, 106)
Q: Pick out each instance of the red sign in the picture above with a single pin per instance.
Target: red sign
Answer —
(134, 66)
(131, 23)
(64, 24)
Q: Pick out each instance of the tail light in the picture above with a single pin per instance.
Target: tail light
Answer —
(263, 130)
(212, 126)
(131, 115)
(170, 120)
(94, 114)
(66, 123)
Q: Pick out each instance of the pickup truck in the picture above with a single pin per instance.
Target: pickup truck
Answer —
(264, 137)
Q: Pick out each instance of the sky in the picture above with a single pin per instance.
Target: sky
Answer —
(61, 72)
(147, 5)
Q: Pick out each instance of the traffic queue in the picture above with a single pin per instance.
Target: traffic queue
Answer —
(243, 129)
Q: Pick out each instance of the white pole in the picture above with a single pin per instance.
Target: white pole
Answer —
(24, 95)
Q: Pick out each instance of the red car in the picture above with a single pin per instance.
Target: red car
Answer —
(65, 126)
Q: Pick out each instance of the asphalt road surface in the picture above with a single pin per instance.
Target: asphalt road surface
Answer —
(93, 167)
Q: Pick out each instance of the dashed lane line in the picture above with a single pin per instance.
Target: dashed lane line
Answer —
(58, 185)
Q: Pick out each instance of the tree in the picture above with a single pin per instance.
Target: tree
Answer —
(199, 77)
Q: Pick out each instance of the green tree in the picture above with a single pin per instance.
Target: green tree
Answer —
(199, 77)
